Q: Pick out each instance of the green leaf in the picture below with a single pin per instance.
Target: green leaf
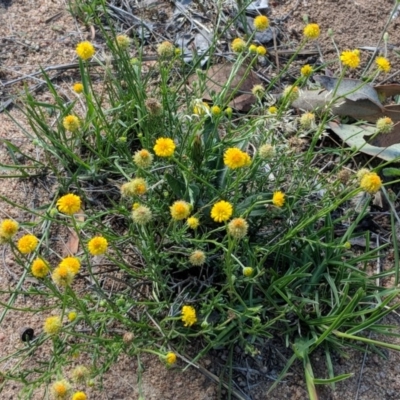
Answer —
(178, 187)
(391, 172)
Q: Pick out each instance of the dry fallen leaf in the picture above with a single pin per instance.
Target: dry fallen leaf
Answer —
(239, 89)
(72, 245)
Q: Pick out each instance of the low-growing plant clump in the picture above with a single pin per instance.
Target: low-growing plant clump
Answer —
(221, 226)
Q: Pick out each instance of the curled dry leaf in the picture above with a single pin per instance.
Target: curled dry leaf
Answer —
(239, 90)
(357, 136)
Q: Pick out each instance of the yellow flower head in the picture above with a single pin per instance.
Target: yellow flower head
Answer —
(60, 389)
(272, 110)
(170, 358)
(371, 183)
(266, 151)
(237, 228)
(238, 45)
(62, 276)
(201, 108)
(85, 50)
(27, 244)
(78, 87)
(72, 316)
(193, 222)
(261, 22)
(221, 211)
(69, 204)
(384, 124)
(350, 58)
(136, 187)
(306, 70)
(236, 158)
(197, 258)
(383, 64)
(307, 120)
(360, 174)
(180, 210)
(228, 112)
(165, 49)
(80, 374)
(291, 93)
(188, 316)
(52, 325)
(261, 50)
(39, 268)
(164, 147)
(311, 31)
(278, 199)
(142, 215)
(258, 91)
(8, 228)
(97, 245)
(123, 41)
(79, 396)
(248, 272)
(215, 110)
(71, 123)
(253, 48)
(72, 263)
(143, 158)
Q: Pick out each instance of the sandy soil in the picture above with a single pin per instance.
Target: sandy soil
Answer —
(42, 32)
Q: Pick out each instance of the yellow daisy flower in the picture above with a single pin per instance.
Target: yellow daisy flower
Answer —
(97, 245)
(261, 22)
(39, 268)
(164, 147)
(188, 316)
(236, 158)
(71, 123)
(72, 263)
(238, 45)
(278, 199)
(371, 183)
(221, 211)
(85, 50)
(311, 31)
(306, 70)
(123, 41)
(170, 358)
(79, 396)
(193, 222)
(62, 276)
(180, 210)
(383, 64)
(69, 204)
(52, 325)
(261, 50)
(78, 87)
(27, 244)
(248, 272)
(350, 58)
(8, 228)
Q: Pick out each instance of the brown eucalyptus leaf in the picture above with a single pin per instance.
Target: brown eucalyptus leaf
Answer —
(355, 135)
(216, 80)
(393, 112)
(351, 89)
(386, 139)
(243, 102)
(388, 90)
(312, 100)
(72, 245)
